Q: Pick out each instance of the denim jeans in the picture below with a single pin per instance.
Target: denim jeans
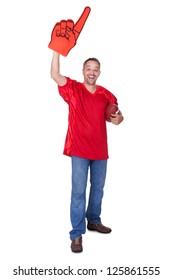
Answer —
(78, 211)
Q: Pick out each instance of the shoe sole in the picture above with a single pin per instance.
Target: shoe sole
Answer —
(78, 251)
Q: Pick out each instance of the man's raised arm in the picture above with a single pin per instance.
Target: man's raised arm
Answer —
(55, 70)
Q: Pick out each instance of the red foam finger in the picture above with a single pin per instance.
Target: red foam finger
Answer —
(65, 33)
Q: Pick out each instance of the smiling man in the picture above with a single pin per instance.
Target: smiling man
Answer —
(86, 144)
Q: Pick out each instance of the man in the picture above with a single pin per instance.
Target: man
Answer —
(86, 144)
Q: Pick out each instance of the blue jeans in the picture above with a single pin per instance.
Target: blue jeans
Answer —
(78, 211)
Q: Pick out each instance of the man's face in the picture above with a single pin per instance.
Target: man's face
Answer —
(91, 72)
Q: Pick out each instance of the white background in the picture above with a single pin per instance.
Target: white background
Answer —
(133, 40)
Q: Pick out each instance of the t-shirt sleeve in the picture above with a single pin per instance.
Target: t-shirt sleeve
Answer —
(111, 98)
(66, 91)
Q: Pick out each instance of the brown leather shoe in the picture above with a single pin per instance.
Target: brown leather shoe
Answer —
(98, 227)
(76, 245)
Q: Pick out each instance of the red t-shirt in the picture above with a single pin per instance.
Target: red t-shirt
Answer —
(86, 135)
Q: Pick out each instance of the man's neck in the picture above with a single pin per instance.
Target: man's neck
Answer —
(90, 88)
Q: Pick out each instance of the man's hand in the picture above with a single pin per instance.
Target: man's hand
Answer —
(117, 118)
(65, 33)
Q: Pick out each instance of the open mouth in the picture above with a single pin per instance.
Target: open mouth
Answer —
(91, 77)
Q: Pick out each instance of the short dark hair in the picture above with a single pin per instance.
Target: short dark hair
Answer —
(93, 59)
